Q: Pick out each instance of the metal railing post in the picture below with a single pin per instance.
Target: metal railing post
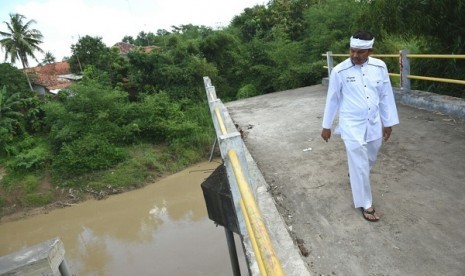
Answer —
(329, 61)
(404, 65)
(232, 252)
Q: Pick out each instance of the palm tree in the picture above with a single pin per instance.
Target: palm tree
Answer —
(48, 58)
(21, 41)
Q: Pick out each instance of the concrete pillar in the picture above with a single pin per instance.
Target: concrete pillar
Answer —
(46, 258)
(404, 65)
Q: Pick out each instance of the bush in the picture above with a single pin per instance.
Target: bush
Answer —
(85, 155)
(247, 91)
(31, 183)
(33, 154)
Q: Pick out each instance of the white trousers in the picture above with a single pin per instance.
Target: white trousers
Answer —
(361, 157)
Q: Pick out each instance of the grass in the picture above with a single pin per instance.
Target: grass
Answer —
(36, 199)
(147, 164)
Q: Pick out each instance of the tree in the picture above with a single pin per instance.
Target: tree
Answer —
(21, 41)
(10, 118)
(48, 58)
(13, 79)
(87, 51)
(15, 82)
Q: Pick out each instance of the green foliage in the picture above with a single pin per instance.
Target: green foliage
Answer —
(86, 51)
(280, 19)
(31, 183)
(10, 119)
(146, 163)
(48, 58)
(36, 199)
(24, 189)
(20, 108)
(258, 67)
(33, 115)
(292, 72)
(92, 109)
(88, 154)
(175, 71)
(29, 154)
(88, 127)
(13, 79)
(331, 24)
(433, 19)
(247, 91)
(21, 41)
(92, 75)
(160, 119)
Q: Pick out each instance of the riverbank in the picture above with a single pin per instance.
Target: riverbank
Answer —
(160, 229)
(63, 198)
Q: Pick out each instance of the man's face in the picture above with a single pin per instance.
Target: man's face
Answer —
(359, 56)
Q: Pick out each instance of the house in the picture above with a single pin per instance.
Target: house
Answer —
(52, 77)
(124, 48)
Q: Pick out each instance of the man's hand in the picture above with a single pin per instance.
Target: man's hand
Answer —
(326, 134)
(386, 133)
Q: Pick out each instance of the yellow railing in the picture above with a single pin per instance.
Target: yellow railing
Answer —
(267, 261)
(403, 58)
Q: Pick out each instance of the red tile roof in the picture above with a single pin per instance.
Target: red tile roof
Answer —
(124, 48)
(148, 49)
(47, 75)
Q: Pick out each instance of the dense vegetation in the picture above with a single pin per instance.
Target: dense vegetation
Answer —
(133, 118)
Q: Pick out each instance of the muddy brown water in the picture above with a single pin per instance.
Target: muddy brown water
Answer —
(161, 229)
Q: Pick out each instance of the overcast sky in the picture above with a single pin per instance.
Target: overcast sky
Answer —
(61, 22)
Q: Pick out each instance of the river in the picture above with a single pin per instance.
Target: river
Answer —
(161, 229)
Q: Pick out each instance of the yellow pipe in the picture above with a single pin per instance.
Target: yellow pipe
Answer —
(436, 79)
(272, 264)
(220, 121)
(256, 249)
(374, 55)
(211, 96)
(251, 226)
(408, 55)
(434, 56)
(416, 56)
(386, 55)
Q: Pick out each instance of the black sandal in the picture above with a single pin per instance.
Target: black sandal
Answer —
(371, 213)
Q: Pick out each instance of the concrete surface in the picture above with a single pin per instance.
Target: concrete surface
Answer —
(418, 187)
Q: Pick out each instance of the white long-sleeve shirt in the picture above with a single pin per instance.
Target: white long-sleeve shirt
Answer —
(364, 98)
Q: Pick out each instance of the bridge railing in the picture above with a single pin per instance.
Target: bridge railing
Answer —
(404, 74)
(250, 222)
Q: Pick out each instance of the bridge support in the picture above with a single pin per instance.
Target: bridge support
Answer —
(46, 258)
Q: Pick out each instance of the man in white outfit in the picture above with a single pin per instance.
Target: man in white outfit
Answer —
(360, 90)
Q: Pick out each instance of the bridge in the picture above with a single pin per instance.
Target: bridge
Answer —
(418, 187)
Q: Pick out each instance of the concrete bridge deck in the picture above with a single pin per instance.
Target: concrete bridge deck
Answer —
(418, 187)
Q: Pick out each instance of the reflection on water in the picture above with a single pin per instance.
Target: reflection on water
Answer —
(162, 229)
